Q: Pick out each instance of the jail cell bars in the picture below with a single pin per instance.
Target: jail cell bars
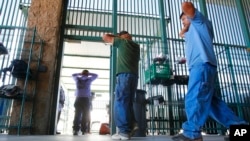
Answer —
(89, 19)
(13, 18)
(245, 4)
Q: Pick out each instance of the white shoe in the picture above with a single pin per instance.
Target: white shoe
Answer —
(119, 137)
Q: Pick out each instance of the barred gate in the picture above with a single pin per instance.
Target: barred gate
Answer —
(13, 16)
(155, 25)
(22, 43)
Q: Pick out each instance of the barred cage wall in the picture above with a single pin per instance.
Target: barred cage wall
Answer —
(155, 25)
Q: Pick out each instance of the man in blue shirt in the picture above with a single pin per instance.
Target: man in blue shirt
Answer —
(201, 100)
(82, 102)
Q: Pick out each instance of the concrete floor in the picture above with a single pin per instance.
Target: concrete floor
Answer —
(93, 137)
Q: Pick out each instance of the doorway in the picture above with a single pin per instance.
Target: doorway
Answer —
(93, 56)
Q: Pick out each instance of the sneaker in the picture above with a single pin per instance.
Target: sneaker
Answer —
(120, 137)
(181, 137)
(133, 131)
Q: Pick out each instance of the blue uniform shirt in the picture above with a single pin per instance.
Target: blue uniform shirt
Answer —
(199, 41)
(83, 84)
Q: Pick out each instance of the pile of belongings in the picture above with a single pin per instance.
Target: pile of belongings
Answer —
(10, 90)
(18, 69)
(160, 59)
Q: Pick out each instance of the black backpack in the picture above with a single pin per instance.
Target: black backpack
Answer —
(18, 69)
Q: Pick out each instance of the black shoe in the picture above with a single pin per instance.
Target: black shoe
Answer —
(133, 131)
(226, 138)
(181, 137)
(58, 132)
(75, 133)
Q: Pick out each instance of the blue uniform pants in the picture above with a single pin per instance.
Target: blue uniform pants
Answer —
(201, 101)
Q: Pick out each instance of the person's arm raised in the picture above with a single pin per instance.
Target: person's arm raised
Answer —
(108, 38)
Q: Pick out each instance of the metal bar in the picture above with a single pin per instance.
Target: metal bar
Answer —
(85, 38)
(113, 66)
(203, 9)
(237, 98)
(243, 23)
(26, 82)
(92, 56)
(89, 28)
(35, 87)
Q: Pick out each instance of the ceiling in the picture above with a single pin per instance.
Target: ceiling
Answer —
(94, 56)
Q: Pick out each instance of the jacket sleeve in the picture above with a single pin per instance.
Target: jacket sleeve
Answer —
(75, 75)
(93, 76)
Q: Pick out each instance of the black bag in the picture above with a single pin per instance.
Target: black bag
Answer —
(158, 98)
(18, 69)
(3, 50)
(181, 79)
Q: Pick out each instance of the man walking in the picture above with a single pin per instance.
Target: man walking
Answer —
(201, 100)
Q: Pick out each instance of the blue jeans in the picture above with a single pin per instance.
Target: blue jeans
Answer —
(201, 102)
(126, 85)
